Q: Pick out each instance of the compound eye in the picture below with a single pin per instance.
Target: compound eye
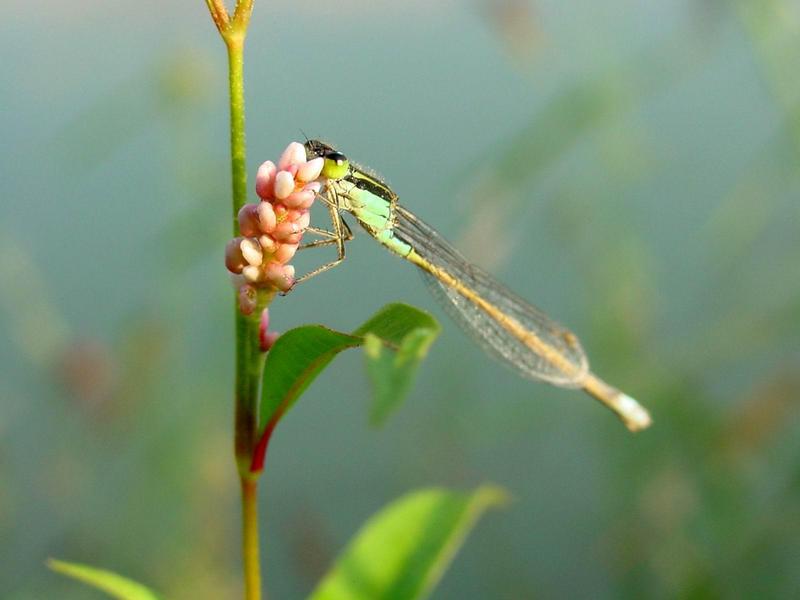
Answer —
(335, 166)
(312, 150)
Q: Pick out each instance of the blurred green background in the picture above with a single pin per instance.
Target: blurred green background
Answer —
(631, 167)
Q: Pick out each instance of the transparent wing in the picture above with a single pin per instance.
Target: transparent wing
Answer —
(564, 363)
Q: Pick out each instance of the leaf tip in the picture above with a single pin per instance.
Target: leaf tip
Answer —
(372, 346)
(59, 566)
(493, 496)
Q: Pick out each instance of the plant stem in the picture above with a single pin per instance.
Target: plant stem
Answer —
(249, 366)
(249, 357)
(252, 573)
(234, 41)
(218, 13)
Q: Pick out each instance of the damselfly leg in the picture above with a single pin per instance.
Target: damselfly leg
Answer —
(339, 236)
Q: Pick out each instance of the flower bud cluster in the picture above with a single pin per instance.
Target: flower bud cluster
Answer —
(271, 229)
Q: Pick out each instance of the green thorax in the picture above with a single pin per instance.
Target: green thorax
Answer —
(372, 203)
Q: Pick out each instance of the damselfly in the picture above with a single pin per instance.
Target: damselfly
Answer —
(507, 327)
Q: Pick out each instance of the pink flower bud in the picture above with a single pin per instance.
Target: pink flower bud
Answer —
(252, 274)
(308, 199)
(285, 252)
(268, 245)
(293, 239)
(234, 260)
(266, 338)
(251, 251)
(310, 170)
(304, 220)
(247, 299)
(265, 180)
(295, 154)
(276, 274)
(249, 219)
(288, 272)
(306, 204)
(284, 184)
(301, 199)
(284, 231)
(273, 271)
(266, 216)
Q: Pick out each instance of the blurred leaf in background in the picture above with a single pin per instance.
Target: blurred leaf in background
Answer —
(111, 583)
(403, 551)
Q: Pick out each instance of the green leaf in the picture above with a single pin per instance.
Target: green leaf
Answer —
(111, 583)
(297, 357)
(300, 355)
(402, 552)
(394, 321)
(392, 374)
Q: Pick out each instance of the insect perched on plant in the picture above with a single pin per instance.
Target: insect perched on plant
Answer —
(506, 326)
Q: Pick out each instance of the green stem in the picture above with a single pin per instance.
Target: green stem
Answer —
(249, 366)
(218, 13)
(235, 43)
(252, 573)
(249, 357)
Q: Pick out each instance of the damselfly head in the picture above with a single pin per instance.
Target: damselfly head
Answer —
(315, 148)
(336, 165)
